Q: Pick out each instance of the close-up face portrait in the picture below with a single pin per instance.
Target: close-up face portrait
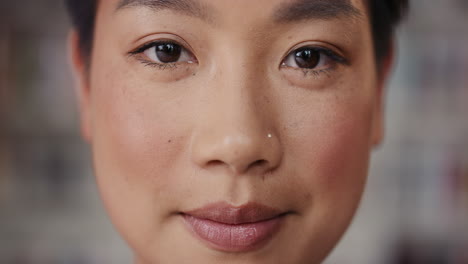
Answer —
(234, 131)
(231, 131)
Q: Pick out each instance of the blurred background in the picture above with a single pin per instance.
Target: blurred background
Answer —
(414, 211)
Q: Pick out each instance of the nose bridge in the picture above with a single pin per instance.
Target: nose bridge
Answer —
(236, 132)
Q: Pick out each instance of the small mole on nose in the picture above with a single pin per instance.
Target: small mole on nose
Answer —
(169, 141)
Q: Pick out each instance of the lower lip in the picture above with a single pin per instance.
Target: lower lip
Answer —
(234, 238)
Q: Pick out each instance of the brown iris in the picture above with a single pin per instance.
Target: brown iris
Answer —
(168, 52)
(307, 58)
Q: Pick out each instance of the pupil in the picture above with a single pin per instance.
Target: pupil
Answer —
(168, 52)
(307, 58)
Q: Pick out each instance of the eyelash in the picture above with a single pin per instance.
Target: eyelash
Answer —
(160, 66)
(337, 59)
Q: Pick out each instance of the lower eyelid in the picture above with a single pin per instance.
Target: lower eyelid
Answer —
(143, 58)
(161, 66)
(164, 65)
(318, 72)
(309, 73)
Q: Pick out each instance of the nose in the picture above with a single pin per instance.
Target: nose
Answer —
(236, 128)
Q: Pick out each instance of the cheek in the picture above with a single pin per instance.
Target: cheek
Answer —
(344, 148)
(135, 138)
(136, 145)
(129, 133)
(331, 152)
(331, 149)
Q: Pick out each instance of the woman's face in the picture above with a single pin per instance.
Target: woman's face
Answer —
(231, 131)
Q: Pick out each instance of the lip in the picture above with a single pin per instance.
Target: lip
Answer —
(234, 229)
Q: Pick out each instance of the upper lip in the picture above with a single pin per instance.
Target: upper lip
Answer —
(223, 212)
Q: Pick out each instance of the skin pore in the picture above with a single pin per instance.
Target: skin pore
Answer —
(189, 103)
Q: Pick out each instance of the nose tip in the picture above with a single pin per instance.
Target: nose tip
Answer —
(240, 154)
(238, 131)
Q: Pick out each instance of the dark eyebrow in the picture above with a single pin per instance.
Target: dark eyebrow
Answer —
(187, 7)
(300, 10)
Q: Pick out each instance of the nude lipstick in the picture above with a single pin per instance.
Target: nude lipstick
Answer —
(234, 229)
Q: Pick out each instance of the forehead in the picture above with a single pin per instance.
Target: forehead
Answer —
(215, 11)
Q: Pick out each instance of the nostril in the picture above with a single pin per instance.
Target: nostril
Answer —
(214, 163)
(258, 163)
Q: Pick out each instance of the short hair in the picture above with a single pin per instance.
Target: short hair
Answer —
(83, 18)
(385, 15)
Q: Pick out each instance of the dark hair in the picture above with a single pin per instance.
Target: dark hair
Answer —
(385, 16)
(83, 16)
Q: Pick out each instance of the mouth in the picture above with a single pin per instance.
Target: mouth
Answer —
(234, 229)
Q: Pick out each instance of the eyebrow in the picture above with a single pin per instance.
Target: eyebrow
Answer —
(300, 10)
(186, 7)
(290, 12)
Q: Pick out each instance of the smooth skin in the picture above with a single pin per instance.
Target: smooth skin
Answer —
(234, 119)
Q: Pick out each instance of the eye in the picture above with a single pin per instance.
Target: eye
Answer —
(163, 53)
(167, 52)
(309, 58)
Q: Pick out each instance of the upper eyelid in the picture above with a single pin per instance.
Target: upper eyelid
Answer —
(154, 40)
(337, 58)
(153, 43)
(323, 47)
(150, 44)
(138, 53)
